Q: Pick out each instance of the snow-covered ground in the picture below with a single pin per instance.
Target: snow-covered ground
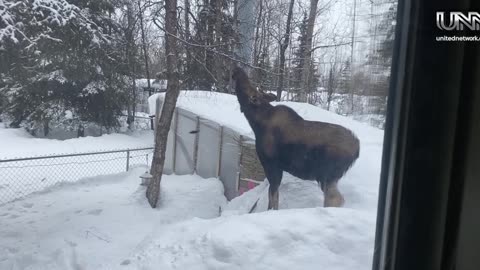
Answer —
(105, 222)
(16, 143)
(98, 221)
(20, 178)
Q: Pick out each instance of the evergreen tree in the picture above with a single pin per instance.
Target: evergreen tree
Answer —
(62, 57)
(298, 60)
(344, 81)
(214, 31)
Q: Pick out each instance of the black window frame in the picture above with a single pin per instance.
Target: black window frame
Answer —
(431, 140)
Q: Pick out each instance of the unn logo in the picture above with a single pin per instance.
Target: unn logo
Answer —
(458, 21)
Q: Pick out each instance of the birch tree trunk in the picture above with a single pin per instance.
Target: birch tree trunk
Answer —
(246, 11)
(308, 51)
(169, 103)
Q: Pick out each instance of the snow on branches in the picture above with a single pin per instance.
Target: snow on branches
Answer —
(35, 20)
(9, 26)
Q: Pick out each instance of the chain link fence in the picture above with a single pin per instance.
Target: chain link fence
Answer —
(22, 176)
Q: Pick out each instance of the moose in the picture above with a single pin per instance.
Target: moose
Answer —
(284, 141)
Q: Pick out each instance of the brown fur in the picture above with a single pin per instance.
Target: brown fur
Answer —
(285, 141)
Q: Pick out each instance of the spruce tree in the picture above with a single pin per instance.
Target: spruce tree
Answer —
(62, 58)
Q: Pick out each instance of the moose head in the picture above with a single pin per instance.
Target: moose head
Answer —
(247, 94)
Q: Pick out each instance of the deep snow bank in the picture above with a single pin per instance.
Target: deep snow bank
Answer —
(315, 238)
(98, 221)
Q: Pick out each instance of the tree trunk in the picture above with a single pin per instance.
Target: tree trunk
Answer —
(130, 51)
(352, 109)
(145, 54)
(80, 131)
(188, 59)
(218, 39)
(169, 103)
(246, 11)
(210, 40)
(257, 35)
(283, 49)
(330, 88)
(232, 43)
(308, 51)
(46, 128)
(144, 46)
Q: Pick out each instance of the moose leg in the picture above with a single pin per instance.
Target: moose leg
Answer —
(273, 197)
(274, 176)
(333, 197)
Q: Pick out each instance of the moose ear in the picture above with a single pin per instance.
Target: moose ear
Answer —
(255, 100)
(236, 73)
(270, 97)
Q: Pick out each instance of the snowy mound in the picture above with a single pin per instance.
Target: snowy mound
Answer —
(294, 193)
(317, 238)
(97, 221)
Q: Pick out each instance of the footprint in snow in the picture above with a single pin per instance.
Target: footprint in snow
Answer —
(95, 212)
(27, 205)
(125, 262)
(11, 250)
(70, 243)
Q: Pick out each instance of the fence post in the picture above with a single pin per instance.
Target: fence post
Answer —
(219, 168)
(128, 159)
(195, 145)
(240, 156)
(175, 128)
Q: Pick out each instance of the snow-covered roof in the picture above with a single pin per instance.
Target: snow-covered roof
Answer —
(225, 110)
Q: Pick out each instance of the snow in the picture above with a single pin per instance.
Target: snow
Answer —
(314, 238)
(301, 235)
(158, 84)
(225, 110)
(94, 87)
(106, 223)
(16, 143)
(20, 178)
(16, 16)
(97, 221)
(68, 114)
